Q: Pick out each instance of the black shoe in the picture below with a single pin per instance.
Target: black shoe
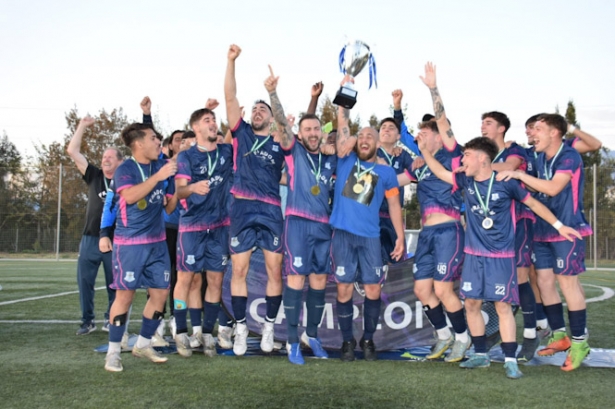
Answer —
(347, 352)
(86, 328)
(369, 349)
(528, 349)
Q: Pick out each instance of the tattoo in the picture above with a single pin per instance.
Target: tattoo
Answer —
(346, 114)
(438, 106)
(280, 118)
(450, 134)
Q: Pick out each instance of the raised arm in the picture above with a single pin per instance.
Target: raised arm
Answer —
(316, 92)
(233, 111)
(405, 136)
(586, 142)
(344, 142)
(74, 146)
(146, 108)
(284, 126)
(448, 138)
(436, 167)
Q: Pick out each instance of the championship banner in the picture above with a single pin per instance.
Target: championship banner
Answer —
(402, 324)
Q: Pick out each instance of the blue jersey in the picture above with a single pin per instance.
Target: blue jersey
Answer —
(399, 164)
(258, 164)
(209, 211)
(567, 205)
(359, 194)
(141, 222)
(498, 241)
(302, 168)
(516, 151)
(434, 195)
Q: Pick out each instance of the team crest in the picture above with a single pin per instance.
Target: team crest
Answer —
(495, 196)
(298, 262)
(275, 148)
(222, 161)
(396, 166)
(467, 286)
(340, 271)
(234, 242)
(328, 166)
(190, 259)
(129, 276)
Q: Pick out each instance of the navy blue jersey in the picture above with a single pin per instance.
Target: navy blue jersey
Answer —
(359, 194)
(399, 164)
(567, 205)
(498, 241)
(258, 164)
(141, 222)
(435, 195)
(522, 211)
(302, 169)
(211, 210)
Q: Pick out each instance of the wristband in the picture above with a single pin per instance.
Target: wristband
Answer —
(557, 225)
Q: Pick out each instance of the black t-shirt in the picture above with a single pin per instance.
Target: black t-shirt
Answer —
(97, 191)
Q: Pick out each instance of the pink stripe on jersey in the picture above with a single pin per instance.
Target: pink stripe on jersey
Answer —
(499, 254)
(290, 164)
(182, 176)
(140, 240)
(299, 213)
(123, 211)
(249, 195)
(204, 227)
(455, 214)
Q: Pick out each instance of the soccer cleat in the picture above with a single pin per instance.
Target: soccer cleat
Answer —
(512, 370)
(369, 349)
(182, 343)
(105, 326)
(173, 326)
(225, 335)
(576, 355)
(440, 347)
(294, 354)
(458, 352)
(267, 338)
(542, 333)
(161, 328)
(315, 345)
(476, 361)
(113, 362)
(559, 342)
(124, 342)
(528, 349)
(240, 345)
(150, 353)
(86, 328)
(196, 340)
(158, 341)
(347, 351)
(209, 345)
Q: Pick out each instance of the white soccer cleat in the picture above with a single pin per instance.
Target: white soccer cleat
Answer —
(225, 335)
(240, 346)
(150, 353)
(209, 345)
(267, 338)
(182, 343)
(158, 341)
(196, 340)
(113, 362)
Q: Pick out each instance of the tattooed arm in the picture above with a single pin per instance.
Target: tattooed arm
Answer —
(286, 132)
(444, 127)
(344, 142)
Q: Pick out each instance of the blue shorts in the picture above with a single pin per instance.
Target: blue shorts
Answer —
(206, 250)
(255, 224)
(307, 246)
(356, 258)
(524, 232)
(490, 279)
(141, 266)
(439, 252)
(388, 237)
(564, 257)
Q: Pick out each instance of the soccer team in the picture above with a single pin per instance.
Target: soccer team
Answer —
(343, 221)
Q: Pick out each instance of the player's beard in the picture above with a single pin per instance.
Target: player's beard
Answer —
(367, 156)
(260, 127)
(212, 139)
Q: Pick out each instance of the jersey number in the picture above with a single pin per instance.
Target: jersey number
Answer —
(500, 290)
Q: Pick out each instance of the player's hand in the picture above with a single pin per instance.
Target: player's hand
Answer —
(104, 245)
(317, 89)
(417, 163)
(506, 175)
(397, 150)
(168, 170)
(211, 104)
(420, 142)
(430, 75)
(397, 96)
(327, 149)
(271, 82)
(86, 121)
(233, 52)
(399, 249)
(200, 188)
(569, 233)
(347, 79)
(146, 106)
(460, 169)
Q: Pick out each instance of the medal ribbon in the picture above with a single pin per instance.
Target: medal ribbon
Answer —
(358, 174)
(210, 168)
(315, 172)
(420, 176)
(497, 156)
(549, 170)
(141, 170)
(485, 205)
(257, 145)
(389, 157)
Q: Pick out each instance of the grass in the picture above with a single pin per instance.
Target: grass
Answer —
(46, 365)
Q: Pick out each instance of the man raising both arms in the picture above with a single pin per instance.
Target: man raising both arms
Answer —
(256, 217)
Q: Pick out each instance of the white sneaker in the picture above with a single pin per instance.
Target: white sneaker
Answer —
(225, 335)
(209, 345)
(113, 362)
(182, 343)
(240, 346)
(196, 340)
(158, 341)
(267, 338)
(150, 353)
(161, 328)
(173, 326)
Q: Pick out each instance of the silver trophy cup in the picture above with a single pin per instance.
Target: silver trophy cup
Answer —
(353, 58)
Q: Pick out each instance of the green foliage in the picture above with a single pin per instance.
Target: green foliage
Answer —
(328, 113)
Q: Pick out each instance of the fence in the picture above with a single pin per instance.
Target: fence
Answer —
(47, 215)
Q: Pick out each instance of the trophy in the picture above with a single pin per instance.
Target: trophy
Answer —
(353, 58)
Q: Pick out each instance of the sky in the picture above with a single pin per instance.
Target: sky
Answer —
(518, 57)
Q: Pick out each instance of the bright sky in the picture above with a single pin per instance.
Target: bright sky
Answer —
(520, 57)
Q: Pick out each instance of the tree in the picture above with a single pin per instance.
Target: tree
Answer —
(374, 122)
(328, 113)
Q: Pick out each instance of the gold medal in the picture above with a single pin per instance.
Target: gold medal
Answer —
(142, 204)
(315, 190)
(357, 188)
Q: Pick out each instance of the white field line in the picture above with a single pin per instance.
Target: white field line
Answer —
(45, 296)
